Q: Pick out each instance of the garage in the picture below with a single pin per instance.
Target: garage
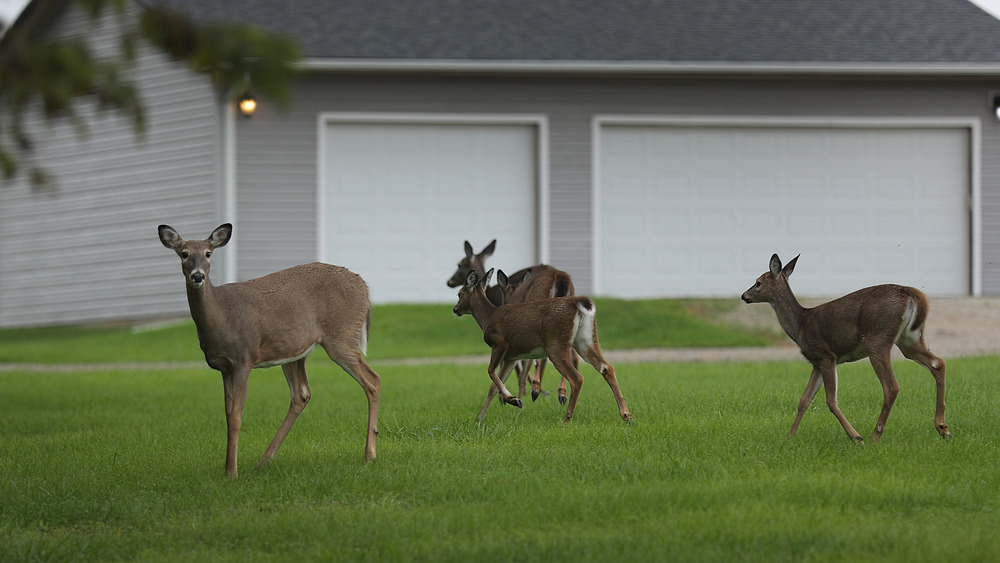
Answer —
(399, 195)
(697, 209)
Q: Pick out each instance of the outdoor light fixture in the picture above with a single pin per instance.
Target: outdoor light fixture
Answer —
(247, 104)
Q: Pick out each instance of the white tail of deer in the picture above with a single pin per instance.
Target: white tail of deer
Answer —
(274, 320)
(551, 328)
(866, 323)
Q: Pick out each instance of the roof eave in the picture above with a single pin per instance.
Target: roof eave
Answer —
(956, 70)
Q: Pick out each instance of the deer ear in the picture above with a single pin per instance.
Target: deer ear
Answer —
(488, 251)
(486, 279)
(471, 280)
(468, 250)
(790, 266)
(502, 280)
(220, 236)
(775, 265)
(169, 237)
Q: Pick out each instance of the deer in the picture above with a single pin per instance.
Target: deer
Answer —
(865, 323)
(528, 284)
(552, 328)
(277, 319)
(551, 283)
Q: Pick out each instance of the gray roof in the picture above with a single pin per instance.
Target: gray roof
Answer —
(707, 32)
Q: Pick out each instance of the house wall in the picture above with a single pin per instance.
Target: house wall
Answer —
(276, 150)
(84, 248)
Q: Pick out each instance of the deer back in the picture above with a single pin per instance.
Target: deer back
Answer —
(888, 312)
(286, 312)
(540, 282)
(528, 326)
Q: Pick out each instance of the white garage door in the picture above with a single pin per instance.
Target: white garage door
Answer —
(698, 211)
(398, 199)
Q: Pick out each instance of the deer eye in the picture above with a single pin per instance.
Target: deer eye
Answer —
(758, 283)
(185, 254)
(208, 254)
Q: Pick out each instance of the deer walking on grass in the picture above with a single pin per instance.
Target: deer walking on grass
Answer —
(866, 323)
(552, 328)
(277, 319)
(528, 284)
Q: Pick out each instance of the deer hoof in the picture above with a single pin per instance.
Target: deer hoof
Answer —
(515, 401)
(562, 399)
(627, 417)
(859, 440)
(534, 395)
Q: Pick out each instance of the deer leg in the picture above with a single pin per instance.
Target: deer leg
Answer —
(234, 383)
(536, 382)
(356, 366)
(298, 388)
(593, 356)
(918, 352)
(496, 359)
(882, 364)
(522, 368)
(829, 371)
(562, 380)
(494, 390)
(815, 381)
(561, 361)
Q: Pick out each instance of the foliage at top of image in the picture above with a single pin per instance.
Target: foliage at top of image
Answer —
(56, 75)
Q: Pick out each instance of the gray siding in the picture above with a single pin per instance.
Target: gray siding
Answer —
(276, 174)
(85, 248)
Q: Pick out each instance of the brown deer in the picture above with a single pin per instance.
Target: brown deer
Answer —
(277, 319)
(551, 328)
(528, 284)
(866, 323)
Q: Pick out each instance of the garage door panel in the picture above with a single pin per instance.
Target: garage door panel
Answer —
(862, 205)
(400, 199)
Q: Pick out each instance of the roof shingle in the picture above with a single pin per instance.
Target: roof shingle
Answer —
(663, 31)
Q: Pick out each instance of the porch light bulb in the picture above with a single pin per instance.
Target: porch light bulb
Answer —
(996, 106)
(248, 105)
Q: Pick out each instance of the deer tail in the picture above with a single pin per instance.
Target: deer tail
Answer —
(364, 330)
(563, 286)
(921, 307)
(914, 316)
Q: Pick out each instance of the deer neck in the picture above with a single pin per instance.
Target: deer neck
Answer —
(482, 308)
(205, 310)
(789, 312)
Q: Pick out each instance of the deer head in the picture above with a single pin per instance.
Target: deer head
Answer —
(195, 254)
(770, 282)
(474, 283)
(471, 263)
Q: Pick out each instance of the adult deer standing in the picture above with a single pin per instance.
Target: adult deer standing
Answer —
(551, 328)
(528, 284)
(277, 319)
(866, 323)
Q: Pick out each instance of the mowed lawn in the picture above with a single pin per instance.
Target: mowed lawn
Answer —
(126, 464)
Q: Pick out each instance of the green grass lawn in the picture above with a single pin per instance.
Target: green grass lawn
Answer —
(398, 331)
(127, 465)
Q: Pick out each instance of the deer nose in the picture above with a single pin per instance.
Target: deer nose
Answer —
(198, 277)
